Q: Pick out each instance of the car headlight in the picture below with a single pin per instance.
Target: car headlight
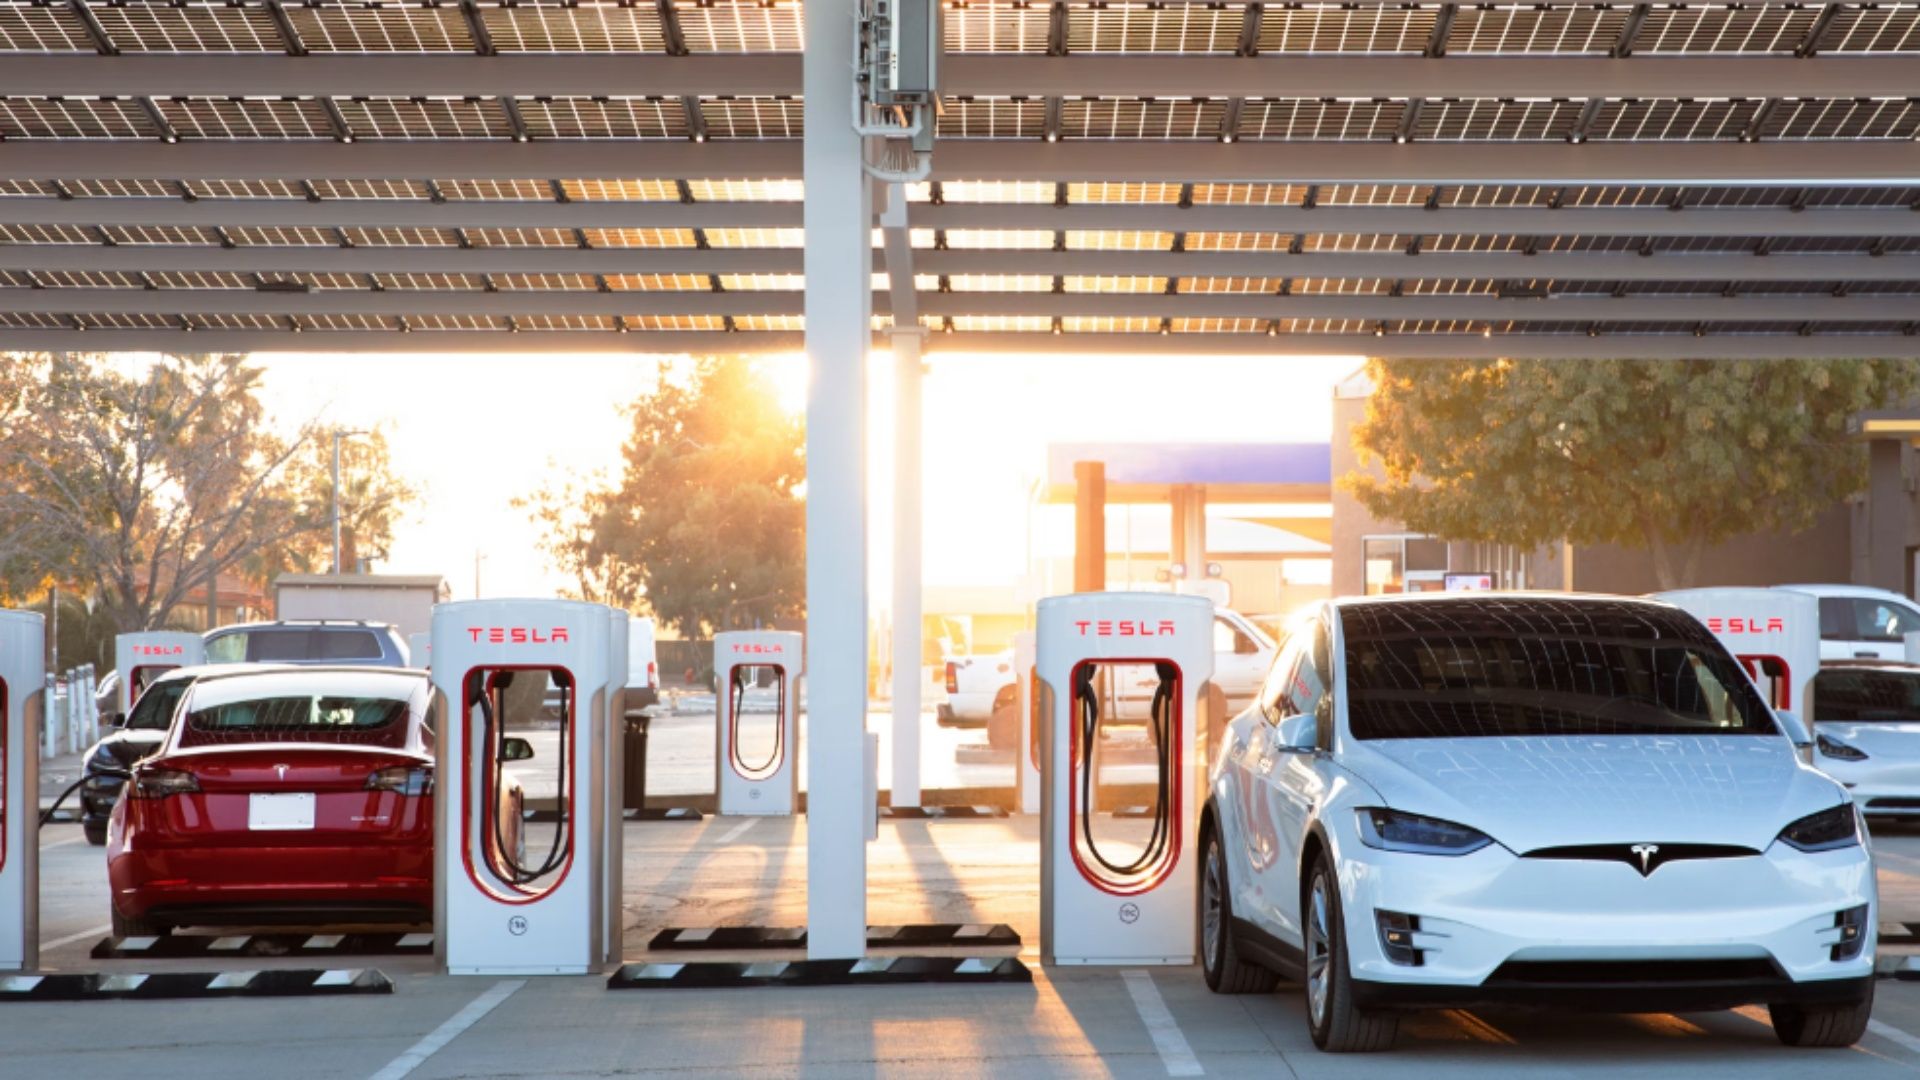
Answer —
(1392, 830)
(1837, 750)
(102, 762)
(1829, 830)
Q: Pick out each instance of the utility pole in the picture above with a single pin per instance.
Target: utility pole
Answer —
(338, 434)
(53, 620)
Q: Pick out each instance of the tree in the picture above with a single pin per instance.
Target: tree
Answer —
(373, 499)
(139, 480)
(707, 520)
(1668, 455)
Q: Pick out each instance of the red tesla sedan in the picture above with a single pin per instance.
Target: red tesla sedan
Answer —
(293, 796)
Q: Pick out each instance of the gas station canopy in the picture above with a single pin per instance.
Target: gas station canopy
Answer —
(1538, 179)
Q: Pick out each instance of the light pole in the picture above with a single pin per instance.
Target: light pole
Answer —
(338, 434)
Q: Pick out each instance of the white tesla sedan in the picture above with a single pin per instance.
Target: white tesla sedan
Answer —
(1866, 726)
(1546, 800)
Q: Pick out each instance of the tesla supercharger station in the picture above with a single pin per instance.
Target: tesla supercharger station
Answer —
(142, 657)
(517, 896)
(610, 784)
(1774, 633)
(23, 646)
(1026, 746)
(1120, 890)
(754, 765)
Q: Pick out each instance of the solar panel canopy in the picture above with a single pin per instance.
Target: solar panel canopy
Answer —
(1445, 179)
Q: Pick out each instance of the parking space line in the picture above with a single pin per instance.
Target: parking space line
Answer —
(737, 831)
(417, 1054)
(1894, 1035)
(1175, 1054)
(96, 931)
(62, 843)
(1479, 1029)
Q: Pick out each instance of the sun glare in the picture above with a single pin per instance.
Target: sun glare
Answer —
(787, 372)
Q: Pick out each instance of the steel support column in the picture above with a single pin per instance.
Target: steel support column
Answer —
(838, 218)
(906, 569)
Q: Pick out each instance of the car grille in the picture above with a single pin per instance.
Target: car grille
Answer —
(1658, 856)
(1624, 973)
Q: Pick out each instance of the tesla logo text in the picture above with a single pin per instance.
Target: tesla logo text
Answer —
(760, 650)
(518, 635)
(159, 650)
(1737, 625)
(1124, 627)
(1645, 853)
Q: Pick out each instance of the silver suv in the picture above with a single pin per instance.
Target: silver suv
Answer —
(308, 641)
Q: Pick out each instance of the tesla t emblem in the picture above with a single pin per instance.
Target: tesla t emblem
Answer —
(281, 771)
(1645, 853)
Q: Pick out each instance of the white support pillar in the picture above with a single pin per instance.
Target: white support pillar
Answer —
(839, 261)
(906, 569)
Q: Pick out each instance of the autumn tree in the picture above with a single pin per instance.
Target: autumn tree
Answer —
(139, 481)
(706, 520)
(1672, 456)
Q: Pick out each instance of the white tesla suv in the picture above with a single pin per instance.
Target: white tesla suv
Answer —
(1547, 800)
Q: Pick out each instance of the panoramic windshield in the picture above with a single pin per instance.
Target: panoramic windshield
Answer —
(1503, 667)
(298, 718)
(1866, 697)
(154, 710)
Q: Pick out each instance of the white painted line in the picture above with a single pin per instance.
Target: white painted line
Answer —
(737, 831)
(1175, 1054)
(62, 843)
(96, 931)
(1894, 1035)
(447, 1032)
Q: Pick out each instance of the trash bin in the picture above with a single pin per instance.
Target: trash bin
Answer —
(634, 762)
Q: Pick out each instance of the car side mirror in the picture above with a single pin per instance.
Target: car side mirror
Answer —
(1795, 729)
(516, 749)
(1296, 734)
(118, 719)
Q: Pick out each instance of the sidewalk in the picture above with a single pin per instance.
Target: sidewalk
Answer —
(56, 774)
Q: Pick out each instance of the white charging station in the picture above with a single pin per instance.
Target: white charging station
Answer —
(609, 785)
(757, 752)
(23, 643)
(1026, 745)
(140, 658)
(518, 896)
(1121, 890)
(1774, 633)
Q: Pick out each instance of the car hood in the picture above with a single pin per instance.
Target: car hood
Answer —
(1537, 792)
(126, 747)
(1898, 741)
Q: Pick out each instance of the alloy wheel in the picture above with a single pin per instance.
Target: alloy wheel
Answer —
(1210, 892)
(1319, 950)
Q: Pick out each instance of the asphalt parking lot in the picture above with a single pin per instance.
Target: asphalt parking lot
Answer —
(732, 871)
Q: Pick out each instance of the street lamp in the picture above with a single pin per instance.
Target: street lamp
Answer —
(338, 434)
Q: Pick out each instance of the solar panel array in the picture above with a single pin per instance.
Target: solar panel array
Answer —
(1200, 184)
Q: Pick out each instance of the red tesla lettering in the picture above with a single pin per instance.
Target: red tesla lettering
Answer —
(496, 634)
(1166, 626)
(1740, 625)
(559, 633)
(474, 632)
(1082, 624)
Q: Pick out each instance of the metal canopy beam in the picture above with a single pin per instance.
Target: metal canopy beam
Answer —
(1479, 307)
(1610, 266)
(1463, 346)
(963, 74)
(475, 213)
(1777, 163)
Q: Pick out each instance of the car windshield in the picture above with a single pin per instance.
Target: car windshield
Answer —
(154, 710)
(1866, 697)
(1491, 667)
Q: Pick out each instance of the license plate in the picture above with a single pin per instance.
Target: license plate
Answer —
(281, 813)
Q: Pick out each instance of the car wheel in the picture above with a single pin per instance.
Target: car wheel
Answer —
(1220, 961)
(1337, 1025)
(126, 926)
(96, 832)
(1822, 1025)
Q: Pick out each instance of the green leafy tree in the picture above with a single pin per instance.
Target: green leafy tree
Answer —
(707, 522)
(138, 481)
(1672, 456)
(374, 499)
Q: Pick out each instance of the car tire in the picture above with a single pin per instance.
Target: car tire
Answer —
(1337, 1025)
(125, 926)
(96, 832)
(1226, 971)
(1822, 1025)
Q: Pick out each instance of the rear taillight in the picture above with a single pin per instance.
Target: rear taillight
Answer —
(653, 675)
(402, 779)
(953, 677)
(160, 783)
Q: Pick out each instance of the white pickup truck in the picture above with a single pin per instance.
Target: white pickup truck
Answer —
(979, 686)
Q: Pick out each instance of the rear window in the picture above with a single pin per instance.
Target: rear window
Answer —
(1489, 668)
(1865, 697)
(269, 645)
(347, 645)
(154, 710)
(299, 718)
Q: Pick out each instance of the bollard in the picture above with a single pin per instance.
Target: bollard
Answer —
(49, 747)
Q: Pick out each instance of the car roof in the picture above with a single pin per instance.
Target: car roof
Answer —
(1866, 591)
(304, 624)
(1476, 597)
(199, 671)
(1888, 667)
